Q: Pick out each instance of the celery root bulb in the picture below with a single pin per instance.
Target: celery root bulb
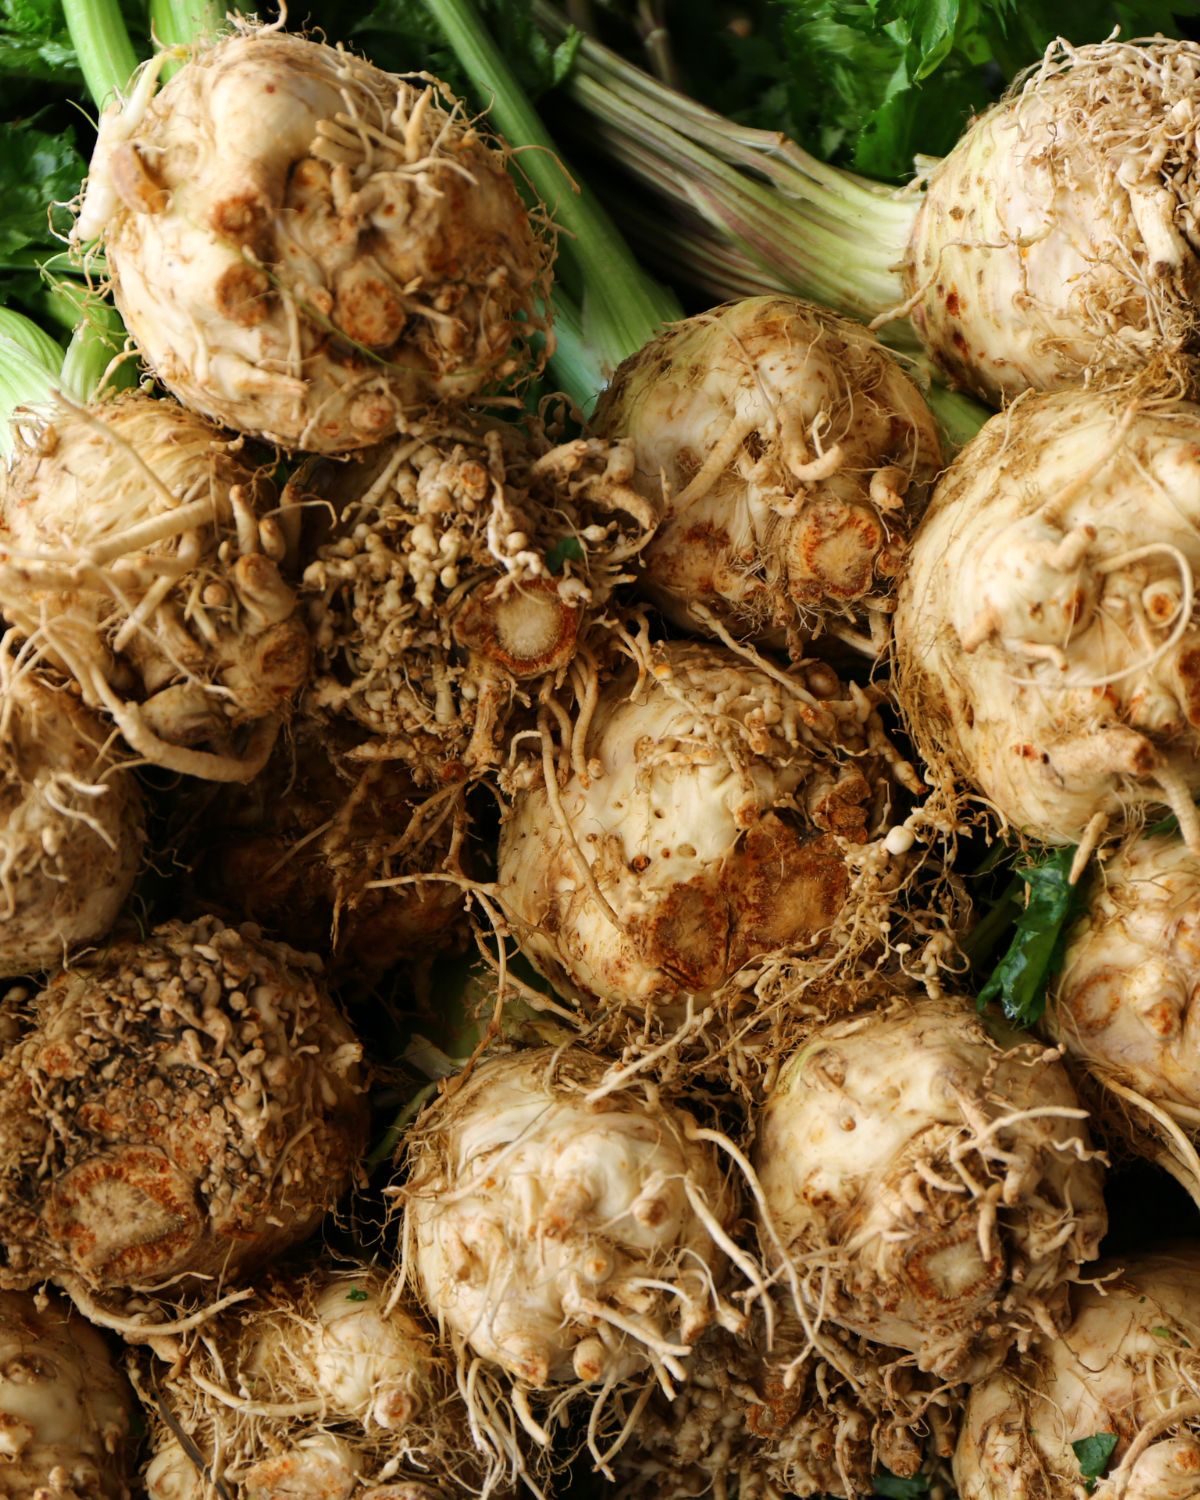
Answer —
(1046, 641)
(1126, 1368)
(797, 456)
(147, 557)
(565, 1231)
(931, 1190)
(310, 249)
(186, 1106)
(1124, 1004)
(698, 821)
(1059, 238)
(463, 574)
(66, 1411)
(71, 830)
(315, 1389)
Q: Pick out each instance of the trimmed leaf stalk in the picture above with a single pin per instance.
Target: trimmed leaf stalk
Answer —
(622, 308)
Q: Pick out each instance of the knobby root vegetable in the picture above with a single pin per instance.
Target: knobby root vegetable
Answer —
(784, 1422)
(927, 1188)
(314, 1390)
(1047, 651)
(797, 456)
(1059, 238)
(178, 1108)
(703, 810)
(144, 555)
(71, 829)
(1123, 1003)
(66, 1411)
(464, 572)
(310, 249)
(330, 853)
(568, 1229)
(1126, 1368)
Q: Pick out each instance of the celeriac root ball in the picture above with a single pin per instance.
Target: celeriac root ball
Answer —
(788, 1419)
(184, 1106)
(310, 249)
(314, 1389)
(797, 457)
(927, 1188)
(1059, 238)
(1124, 1002)
(147, 556)
(66, 1410)
(697, 821)
(1046, 648)
(564, 1229)
(71, 822)
(1109, 1407)
(302, 848)
(463, 574)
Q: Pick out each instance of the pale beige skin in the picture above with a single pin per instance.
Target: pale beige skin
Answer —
(709, 803)
(564, 1240)
(932, 1191)
(307, 248)
(797, 456)
(1060, 237)
(316, 1389)
(65, 1409)
(1126, 1364)
(1124, 1004)
(147, 558)
(1046, 647)
(71, 823)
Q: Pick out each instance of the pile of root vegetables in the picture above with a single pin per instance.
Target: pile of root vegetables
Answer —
(486, 896)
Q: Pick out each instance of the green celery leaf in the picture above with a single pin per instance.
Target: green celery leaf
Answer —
(356, 1294)
(36, 169)
(895, 1488)
(403, 36)
(566, 547)
(34, 43)
(1019, 981)
(1094, 1453)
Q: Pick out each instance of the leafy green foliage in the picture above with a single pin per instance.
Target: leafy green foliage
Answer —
(566, 547)
(1034, 955)
(1093, 1454)
(403, 35)
(895, 1488)
(36, 169)
(356, 1294)
(34, 43)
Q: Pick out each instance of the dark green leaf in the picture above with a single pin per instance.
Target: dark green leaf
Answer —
(356, 1294)
(1034, 955)
(566, 547)
(36, 169)
(1094, 1453)
(896, 1488)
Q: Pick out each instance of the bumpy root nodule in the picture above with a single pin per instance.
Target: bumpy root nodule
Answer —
(313, 1389)
(1122, 1004)
(464, 573)
(1059, 239)
(797, 456)
(331, 853)
(927, 1188)
(71, 829)
(1127, 1366)
(703, 811)
(66, 1411)
(1047, 648)
(569, 1232)
(183, 1107)
(357, 253)
(146, 559)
